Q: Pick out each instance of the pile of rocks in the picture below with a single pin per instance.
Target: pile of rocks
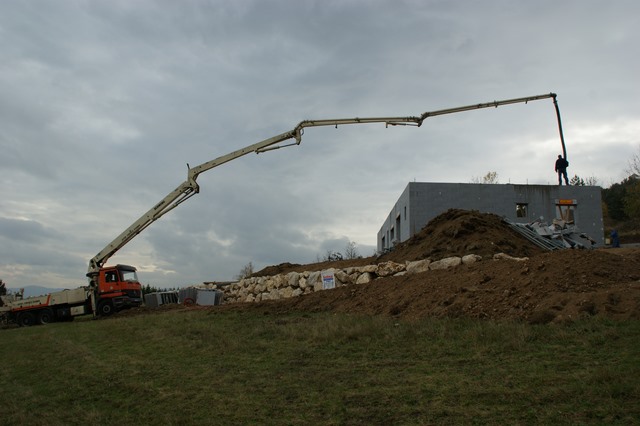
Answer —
(294, 284)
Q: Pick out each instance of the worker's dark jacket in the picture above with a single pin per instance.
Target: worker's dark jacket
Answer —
(561, 164)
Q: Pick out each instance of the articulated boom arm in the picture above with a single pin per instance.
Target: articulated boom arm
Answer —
(189, 187)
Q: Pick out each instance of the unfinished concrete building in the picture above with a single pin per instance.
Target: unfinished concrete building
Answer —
(422, 201)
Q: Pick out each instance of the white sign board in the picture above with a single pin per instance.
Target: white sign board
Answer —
(328, 279)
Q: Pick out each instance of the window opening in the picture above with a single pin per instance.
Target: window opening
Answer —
(566, 212)
(521, 210)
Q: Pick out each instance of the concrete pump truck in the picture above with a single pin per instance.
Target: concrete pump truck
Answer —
(112, 288)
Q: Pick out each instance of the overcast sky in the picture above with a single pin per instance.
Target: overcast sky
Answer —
(103, 104)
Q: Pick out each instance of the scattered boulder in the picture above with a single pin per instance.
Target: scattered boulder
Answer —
(471, 258)
(418, 266)
(446, 263)
(365, 278)
(389, 268)
(504, 256)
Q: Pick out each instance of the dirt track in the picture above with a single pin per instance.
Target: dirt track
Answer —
(549, 287)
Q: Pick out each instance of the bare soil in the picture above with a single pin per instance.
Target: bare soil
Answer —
(556, 286)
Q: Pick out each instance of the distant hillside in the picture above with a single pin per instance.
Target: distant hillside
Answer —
(34, 290)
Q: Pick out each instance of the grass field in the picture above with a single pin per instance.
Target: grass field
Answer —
(202, 367)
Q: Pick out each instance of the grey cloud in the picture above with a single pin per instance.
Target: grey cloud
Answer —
(24, 230)
(102, 104)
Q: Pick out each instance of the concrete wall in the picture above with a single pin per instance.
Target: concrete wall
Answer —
(422, 201)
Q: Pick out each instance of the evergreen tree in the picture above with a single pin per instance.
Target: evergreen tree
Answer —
(631, 200)
(146, 289)
(622, 198)
(576, 181)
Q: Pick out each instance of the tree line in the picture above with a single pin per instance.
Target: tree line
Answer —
(146, 289)
(621, 201)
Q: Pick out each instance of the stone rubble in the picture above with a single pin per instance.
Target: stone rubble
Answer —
(293, 284)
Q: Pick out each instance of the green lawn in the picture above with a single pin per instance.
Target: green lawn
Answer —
(203, 367)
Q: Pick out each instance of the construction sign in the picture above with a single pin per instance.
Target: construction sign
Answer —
(328, 280)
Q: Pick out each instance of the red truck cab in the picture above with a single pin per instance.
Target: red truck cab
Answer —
(117, 288)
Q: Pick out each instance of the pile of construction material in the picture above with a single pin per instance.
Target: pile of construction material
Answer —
(557, 235)
(187, 296)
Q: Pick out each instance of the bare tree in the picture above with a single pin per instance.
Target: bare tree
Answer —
(591, 181)
(350, 251)
(490, 177)
(246, 271)
(634, 164)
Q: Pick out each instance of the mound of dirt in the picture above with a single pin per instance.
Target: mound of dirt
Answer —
(548, 287)
(459, 232)
(282, 268)
(554, 286)
(453, 233)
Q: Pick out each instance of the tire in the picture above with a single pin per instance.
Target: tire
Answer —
(105, 308)
(46, 316)
(188, 302)
(26, 319)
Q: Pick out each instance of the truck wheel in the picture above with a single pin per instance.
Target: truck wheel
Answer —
(26, 319)
(46, 316)
(105, 308)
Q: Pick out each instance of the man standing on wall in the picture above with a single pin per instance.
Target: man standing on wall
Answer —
(561, 169)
